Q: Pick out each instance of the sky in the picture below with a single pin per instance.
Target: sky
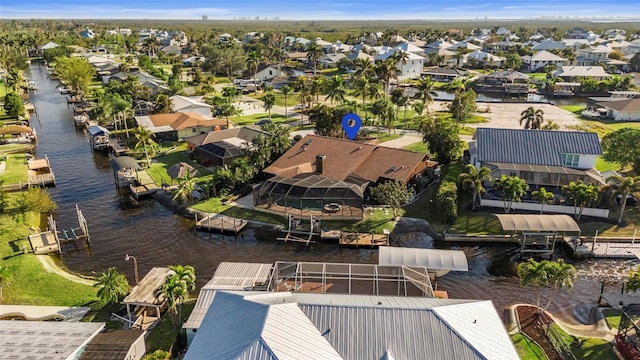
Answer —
(316, 10)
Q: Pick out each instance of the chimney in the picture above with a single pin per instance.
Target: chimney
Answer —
(321, 163)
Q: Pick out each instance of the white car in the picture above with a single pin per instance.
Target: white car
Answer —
(298, 107)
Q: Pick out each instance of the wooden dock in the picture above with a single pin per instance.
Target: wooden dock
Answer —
(144, 185)
(119, 147)
(44, 242)
(221, 224)
(348, 239)
(40, 172)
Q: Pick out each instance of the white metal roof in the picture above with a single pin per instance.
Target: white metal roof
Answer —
(228, 276)
(432, 259)
(45, 339)
(480, 325)
(254, 325)
(518, 222)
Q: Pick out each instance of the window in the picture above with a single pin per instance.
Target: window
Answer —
(570, 160)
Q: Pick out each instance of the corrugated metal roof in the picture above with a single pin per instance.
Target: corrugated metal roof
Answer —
(323, 326)
(479, 324)
(537, 147)
(45, 339)
(433, 259)
(517, 222)
(228, 276)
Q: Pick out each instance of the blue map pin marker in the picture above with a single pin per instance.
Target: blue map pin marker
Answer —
(351, 124)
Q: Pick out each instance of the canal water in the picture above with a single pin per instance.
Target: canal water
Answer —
(158, 237)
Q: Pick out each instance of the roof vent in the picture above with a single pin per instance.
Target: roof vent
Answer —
(393, 168)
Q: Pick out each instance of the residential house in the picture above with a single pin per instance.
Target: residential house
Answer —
(318, 170)
(592, 55)
(468, 46)
(87, 34)
(541, 59)
(548, 44)
(569, 73)
(410, 48)
(191, 104)
(445, 74)
(193, 61)
(500, 46)
(410, 69)
(437, 45)
(171, 127)
(509, 81)
(622, 110)
(337, 47)
(265, 72)
(220, 148)
(483, 58)
(540, 157)
(331, 60)
(324, 326)
(154, 84)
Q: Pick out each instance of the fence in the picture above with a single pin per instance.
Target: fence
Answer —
(559, 209)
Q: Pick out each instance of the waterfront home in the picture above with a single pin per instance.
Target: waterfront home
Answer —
(154, 84)
(294, 325)
(500, 46)
(622, 109)
(509, 81)
(540, 157)
(482, 58)
(570, 72)
(539, 60)
(180, 125)
(413, 67)
(592, 55)
(220, 148)
(548, 44)
(445, 74)
(195, 104)
(318, 170)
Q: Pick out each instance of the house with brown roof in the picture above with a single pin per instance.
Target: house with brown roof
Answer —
(622, 110)
(319, 170)
(180, 125)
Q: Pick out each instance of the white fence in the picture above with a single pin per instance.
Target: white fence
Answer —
(559, 209)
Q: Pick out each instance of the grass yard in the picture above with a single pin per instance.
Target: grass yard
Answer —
(374, 221)
(251, 119)
(612, 316)
(630, 223)
(216, 205)
(604, 165)
(587, 348)
(165, 333)
(28, 283)
(292, 99)
(158, 169)
(384, 135)
(527, 349)
(417, 147)
(15, 171)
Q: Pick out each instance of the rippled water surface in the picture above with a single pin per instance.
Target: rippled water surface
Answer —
(158, 237)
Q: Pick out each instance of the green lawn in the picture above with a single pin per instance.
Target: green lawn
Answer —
(16, 169)
(612, 316)
(576, 109)
(417, 147)
(527, 349)
(251, 119)
(158, 169)
(165, 333)
(375, 221)
(587, 348)
(215, 205)
(28, 283)
(292, 99)
(384, 135)
(604, 165)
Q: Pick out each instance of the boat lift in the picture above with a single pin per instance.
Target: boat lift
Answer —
(294, 229)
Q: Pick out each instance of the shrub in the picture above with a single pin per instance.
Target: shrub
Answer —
(447, 202)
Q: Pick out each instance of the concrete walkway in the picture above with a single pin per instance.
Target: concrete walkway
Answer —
(599, 328)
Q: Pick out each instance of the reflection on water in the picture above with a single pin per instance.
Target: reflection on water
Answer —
(158, 237)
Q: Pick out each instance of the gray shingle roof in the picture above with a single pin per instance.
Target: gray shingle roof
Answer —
(536, 147)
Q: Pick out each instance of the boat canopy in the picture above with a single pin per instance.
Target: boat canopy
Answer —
(432, 259)
(98, 130)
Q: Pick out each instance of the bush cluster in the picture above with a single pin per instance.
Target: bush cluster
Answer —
(447, 202)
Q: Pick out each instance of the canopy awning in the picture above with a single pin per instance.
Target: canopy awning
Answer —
(124, 162)
(519, 222)
(432, 259)
(98, 130)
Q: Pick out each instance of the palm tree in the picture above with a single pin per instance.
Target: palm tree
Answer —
(186, 185)
(185, 273)
(14, 79)
(559, 275)
(400, 57)
(533, 273)
(512, 189)
(543, 196)
(286, 90)
(150, 45)
(112, 286)
(269, 100)
(363, 68)
(173, 292)
(473, 179)
(163, 104)
(425, 92)
(386, 71)
(336, 90)
(145, 140)
(253, 61)
(582, 195)
(532, 118)
(623, 187)
(314, 52)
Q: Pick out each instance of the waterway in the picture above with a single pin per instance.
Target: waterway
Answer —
(158, 237)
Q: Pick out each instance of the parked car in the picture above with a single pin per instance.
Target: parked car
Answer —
(631, 201)
(263, 122)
